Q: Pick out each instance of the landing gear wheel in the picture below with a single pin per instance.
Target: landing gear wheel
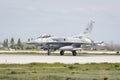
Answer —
(74, 53)
(61, 53)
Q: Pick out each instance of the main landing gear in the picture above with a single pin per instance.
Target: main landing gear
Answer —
(74, 53)
(61, 53)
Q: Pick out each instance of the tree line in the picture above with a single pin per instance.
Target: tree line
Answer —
(12, 44)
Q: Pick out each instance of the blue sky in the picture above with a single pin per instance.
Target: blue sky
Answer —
(31, 18)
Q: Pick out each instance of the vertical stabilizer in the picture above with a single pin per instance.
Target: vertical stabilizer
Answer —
(87, 31)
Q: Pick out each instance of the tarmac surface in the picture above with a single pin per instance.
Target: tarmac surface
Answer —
(26, 59)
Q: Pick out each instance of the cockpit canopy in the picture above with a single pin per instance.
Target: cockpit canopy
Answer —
(45, 36)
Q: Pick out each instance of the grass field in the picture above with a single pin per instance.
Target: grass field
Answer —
(57, 71)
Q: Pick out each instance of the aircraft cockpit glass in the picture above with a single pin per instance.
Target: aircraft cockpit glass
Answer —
(79, 37)
(44, 36)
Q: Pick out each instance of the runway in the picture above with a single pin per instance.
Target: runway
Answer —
(26, 59)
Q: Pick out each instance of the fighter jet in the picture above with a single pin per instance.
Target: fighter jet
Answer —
(73, 44)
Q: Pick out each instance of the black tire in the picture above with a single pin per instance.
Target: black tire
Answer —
(117, 52)
(61, 53)
(74, 53)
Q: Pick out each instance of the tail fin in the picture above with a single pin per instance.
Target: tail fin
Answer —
(87, 31)
(89, 28)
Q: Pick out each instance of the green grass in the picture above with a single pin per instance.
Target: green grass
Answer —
(57, 71)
